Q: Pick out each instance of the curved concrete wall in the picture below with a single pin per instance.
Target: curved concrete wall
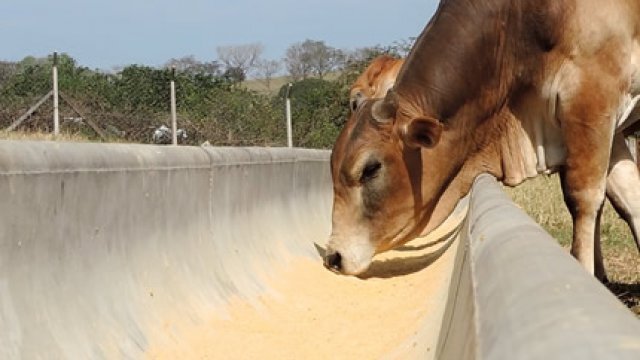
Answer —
(99, 244)
(521, 296)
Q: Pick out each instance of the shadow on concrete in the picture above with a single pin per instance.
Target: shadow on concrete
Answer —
(404, 260)
(421, 246)
(410, 261)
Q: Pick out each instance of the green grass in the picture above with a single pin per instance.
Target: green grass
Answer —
(541, 198)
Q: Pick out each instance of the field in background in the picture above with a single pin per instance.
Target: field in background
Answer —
(542, 199)
(276, 83)
(261, 87)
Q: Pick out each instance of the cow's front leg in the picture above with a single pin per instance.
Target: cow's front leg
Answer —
(585, 205)
(623, 190)
(587, 124)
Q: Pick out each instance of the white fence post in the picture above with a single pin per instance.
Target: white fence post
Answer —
(56, 114)
(288, 113)
(174, 120)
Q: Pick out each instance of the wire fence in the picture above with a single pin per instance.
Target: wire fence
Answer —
(134, 105)
(101, 123)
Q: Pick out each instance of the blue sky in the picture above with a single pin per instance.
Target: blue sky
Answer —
(109, 33)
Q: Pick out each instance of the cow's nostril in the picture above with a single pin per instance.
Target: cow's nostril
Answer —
(333, 261)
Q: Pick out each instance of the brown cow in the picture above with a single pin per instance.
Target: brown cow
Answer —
(375, 80)
(511, 88)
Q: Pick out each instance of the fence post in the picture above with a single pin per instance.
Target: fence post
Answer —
(288, 114)
(174, 120)
(56, 114)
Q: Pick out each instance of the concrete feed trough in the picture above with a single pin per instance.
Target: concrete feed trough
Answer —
(132, 251)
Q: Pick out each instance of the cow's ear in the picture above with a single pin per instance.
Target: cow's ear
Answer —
(384, 110)
(356, 100)
(421, 132)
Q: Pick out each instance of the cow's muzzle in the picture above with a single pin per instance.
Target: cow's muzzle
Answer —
(333, 261)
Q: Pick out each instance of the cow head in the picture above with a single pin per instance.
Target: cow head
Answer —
(388, 171)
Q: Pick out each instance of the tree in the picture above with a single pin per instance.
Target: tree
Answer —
(319, 109)
(7, 70)
(312, 57)
(190, 65)
(297, 62)
(323, 58)
(402, 47)
(31, 76)
(242, 57)
(265, 70)
(356, 61)
(234, 75)
(142, 88)
(398, 49)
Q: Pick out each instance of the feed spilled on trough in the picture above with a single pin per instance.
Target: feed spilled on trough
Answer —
(310, 313)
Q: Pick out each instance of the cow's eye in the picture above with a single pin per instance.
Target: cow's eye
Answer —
(370, 171)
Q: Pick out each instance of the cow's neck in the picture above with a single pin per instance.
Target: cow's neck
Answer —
(463, 55)
(461, 71)
(499, 149)
(463, 164)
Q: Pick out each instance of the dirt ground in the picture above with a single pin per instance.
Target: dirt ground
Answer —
(311, 313)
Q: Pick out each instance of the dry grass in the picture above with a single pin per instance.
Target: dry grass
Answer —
(542, 199)
(42, 136)
(260, 86)
(276, 83)
(64, 136)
